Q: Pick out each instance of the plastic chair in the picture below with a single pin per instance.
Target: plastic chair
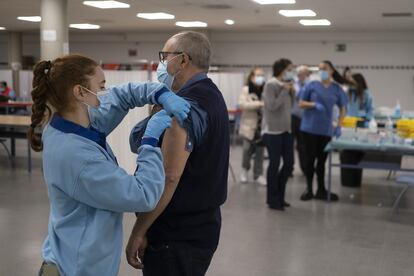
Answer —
(408, 180)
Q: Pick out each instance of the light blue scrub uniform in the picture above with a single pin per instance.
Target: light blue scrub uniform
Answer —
(365, 110)
(88, 191)
(320, 122)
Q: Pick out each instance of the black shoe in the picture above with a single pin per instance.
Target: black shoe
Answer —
(286, 204)
(307, 195)
(276, 207)
(323, 195)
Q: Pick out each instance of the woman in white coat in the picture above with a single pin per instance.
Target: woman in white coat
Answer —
(250, 125)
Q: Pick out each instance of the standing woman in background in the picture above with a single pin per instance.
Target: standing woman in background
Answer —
(88, 191)
(278, 97)
(318, 99)
(360, 99)
(251, 104)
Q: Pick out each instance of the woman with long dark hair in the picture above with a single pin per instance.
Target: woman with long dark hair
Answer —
(359, 98)
(318, 99)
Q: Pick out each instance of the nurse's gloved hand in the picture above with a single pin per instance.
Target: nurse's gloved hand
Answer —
(157, 124)
(337, 131)
(319, 106)
(175, 105)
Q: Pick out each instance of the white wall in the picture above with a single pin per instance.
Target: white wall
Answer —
(119, 138)
(363, 49)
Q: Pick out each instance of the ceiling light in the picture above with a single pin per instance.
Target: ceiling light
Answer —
(2, 28)
(106, 4)
(297, 13)
(155, 15)
(85, 26)
(271, 2)
(189, 24)
(30, 18)
(316, 22)
(229, 22)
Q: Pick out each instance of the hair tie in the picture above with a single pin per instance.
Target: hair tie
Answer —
(48, 67)
(33, 125)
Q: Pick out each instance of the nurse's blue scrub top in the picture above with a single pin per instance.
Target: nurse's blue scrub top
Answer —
(320, 122)
(88, 191)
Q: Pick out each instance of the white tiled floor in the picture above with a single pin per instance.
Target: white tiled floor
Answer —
(351, 237)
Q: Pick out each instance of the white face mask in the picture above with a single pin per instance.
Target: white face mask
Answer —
(259, 80)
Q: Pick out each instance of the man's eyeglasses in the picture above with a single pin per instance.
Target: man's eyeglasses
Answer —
(163, 55)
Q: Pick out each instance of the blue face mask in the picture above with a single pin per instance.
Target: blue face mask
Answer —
(288, 76)
(259, 80)
(162, 73)
(324, 75)
(163, 76)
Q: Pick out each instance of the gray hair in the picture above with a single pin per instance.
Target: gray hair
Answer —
(302, 69)
(196, 45)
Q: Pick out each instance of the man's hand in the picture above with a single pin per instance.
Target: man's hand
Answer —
(135, 250)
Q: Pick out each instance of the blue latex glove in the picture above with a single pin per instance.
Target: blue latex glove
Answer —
(157, 124)
(319, 106)
(337, 131)
(175, 105)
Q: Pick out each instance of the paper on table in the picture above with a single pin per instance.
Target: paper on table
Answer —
(407, 162)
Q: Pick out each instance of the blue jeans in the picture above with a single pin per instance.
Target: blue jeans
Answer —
(279, 146)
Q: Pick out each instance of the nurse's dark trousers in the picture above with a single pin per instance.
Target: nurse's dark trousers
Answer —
(314, 151)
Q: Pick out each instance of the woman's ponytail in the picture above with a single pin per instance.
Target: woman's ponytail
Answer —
(40, 110)
(335, 75)
(52, 86)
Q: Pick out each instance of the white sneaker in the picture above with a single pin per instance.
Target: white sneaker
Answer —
(243, 176)
(261, 181)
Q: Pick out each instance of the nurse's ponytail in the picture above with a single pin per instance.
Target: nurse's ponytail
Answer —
(52, 82)
(335, 75)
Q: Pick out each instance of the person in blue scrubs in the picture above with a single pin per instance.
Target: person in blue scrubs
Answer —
(318, 98)
(88, 191)
(360, 103)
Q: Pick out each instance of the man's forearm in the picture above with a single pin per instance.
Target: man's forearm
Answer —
(145, 220)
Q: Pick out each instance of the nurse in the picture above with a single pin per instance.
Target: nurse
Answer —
(88, 191)
(318, 98)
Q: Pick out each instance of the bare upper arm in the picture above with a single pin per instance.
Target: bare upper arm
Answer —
(174, 152)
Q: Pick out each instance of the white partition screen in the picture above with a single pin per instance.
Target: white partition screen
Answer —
(119, 138)
(25, 80)
(6, 75)
(230, 84)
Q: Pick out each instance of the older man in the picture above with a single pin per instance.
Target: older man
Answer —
(181, 235)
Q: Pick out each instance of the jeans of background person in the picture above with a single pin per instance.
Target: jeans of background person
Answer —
(315, 150)
(298, 137)
(250, 148)
(279, 146)
(176, 259)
